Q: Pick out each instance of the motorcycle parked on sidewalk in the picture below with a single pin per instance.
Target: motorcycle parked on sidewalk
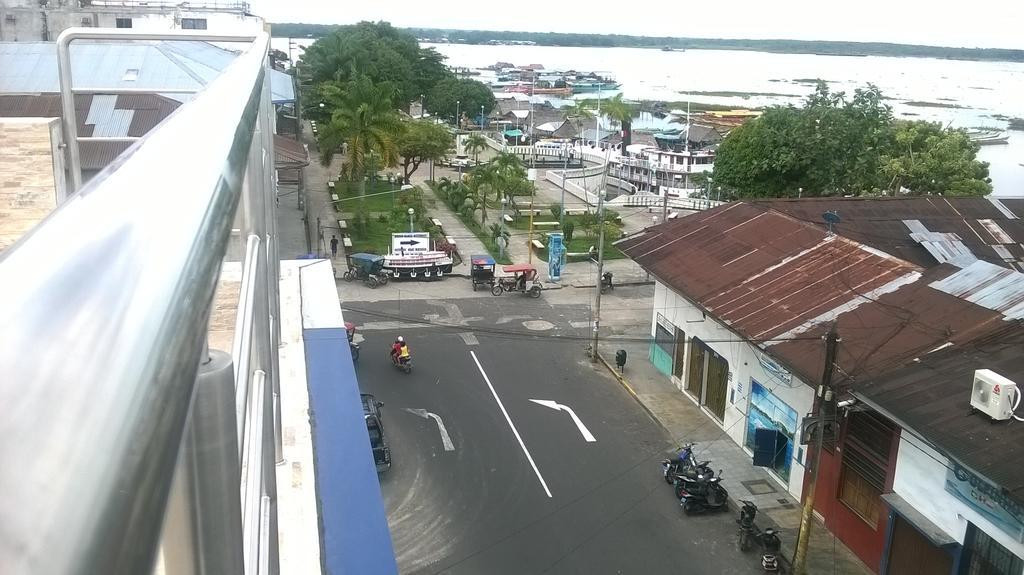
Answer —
(685, 465)
(749, 535)
(702, 495)
(606, 282)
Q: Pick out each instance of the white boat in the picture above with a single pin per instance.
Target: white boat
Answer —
(428, 264)
(987, 137)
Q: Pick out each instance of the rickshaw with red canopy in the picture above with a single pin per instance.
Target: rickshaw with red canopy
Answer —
(523, 280)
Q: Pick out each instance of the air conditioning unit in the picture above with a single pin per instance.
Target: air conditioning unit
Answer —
(993, 394)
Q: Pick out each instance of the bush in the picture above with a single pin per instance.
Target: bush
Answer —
(383, 218)
(567, 229)
(556, 211)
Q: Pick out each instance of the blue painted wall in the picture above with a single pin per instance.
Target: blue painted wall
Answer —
(661, 360)
(354, 535)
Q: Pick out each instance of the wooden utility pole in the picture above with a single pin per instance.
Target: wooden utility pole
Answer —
(600, 252)
(825, 395)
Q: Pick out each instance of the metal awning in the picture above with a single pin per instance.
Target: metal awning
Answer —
(933, 532)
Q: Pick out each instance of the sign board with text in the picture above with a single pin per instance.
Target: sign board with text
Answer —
(410, 243)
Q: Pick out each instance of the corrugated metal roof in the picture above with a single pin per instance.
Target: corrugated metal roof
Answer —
(932, 398)
(770, 276)
(989, 286)
(989, 228)
(31, 67)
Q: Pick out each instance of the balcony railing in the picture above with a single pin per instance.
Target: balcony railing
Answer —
(123, 434)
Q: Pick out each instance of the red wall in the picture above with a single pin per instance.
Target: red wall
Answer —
(867, 543)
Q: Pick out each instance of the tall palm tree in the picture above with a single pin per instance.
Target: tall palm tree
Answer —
(620, 112)
(475, 144)
(363, 117)
(579, 111)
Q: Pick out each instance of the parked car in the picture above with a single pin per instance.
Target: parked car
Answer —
(372, 414)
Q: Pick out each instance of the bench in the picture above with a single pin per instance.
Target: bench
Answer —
(330, 185)
(534, 211)
(575, 211)
(450, 240)
(577, 254)
(537, 244)
(346, 241)
(334, 197)
(508, 219)
(545, 224)
(343, 224)
(436, 222)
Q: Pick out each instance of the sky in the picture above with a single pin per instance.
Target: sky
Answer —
(977, 23)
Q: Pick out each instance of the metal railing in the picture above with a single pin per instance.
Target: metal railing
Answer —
(123, 435)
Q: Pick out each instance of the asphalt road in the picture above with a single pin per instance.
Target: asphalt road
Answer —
(547, 500)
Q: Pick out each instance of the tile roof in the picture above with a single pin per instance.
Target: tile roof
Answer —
(931, 397)
(781, 281)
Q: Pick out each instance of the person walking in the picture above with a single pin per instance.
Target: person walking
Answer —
(334, 246)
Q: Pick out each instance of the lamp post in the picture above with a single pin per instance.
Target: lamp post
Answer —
(411, 213)
(458, 125)
(481, 119)
(501, 238)
(531, 176)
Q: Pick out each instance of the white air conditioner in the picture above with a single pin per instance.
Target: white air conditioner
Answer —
(993, 394)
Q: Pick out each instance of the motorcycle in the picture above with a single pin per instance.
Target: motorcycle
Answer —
(703, 494)
(350, 329)
(686, 465)
(402, 363)
(606, 282)
(768, 539)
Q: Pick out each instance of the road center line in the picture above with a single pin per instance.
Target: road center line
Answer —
(510, 424)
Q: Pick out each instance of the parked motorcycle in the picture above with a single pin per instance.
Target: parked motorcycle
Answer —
(402, 363)
(749, 534)
(685, 465)
(702, 495)
(606, 282)
(350, 329)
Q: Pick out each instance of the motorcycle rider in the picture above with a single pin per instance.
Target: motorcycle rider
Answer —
(399, 350)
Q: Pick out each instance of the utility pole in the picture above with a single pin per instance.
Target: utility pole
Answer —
(825, 396)
(600, 252)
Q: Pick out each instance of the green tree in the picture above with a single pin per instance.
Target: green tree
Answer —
(364, 119)
(567, 229)
(835, 146)
(378, 51)
(475, 144)
(460, 95)
(620, 112)
(420, 141)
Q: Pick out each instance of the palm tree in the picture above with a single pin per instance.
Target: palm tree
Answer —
(482, 181)
(475, 144)
(579, 111)
(362, 117)
(620, 112)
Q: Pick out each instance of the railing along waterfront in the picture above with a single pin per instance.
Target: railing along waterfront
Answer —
(123, 434)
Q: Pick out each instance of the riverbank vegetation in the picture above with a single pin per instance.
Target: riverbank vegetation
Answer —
(838, 146)
(823, 47)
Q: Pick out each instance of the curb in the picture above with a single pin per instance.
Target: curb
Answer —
(627, 284)
(629, 389)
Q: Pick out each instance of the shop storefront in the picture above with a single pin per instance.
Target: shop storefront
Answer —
(771, 430)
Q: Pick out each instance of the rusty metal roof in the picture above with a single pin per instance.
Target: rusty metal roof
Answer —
(932, 397)
(923, 230)
(781, 281)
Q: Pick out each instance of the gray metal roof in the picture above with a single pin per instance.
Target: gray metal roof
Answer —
(31, 67)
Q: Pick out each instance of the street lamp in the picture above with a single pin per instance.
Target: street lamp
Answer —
(501, 238)
(457, 123)
(411, 212)
(481, 119)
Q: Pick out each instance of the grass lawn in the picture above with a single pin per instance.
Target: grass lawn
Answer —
(377, 239)
(582, 244)
(348, 193)
(580, 241)
(484, 235)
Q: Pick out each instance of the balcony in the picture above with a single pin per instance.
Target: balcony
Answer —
(150, 339)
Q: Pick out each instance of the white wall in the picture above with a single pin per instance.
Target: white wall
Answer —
(744, 365)
(921, 481)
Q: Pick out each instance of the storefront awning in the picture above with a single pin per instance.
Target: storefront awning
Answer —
(933, 532)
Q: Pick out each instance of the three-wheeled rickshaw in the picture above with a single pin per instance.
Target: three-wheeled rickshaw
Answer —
(523, 280)
(366, 267)
(482, 271)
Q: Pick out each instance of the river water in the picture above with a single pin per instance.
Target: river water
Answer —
(961, 93)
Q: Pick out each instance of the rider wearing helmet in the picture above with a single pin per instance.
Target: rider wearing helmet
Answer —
(396, 348)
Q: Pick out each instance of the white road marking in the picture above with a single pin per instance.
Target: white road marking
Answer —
(579, 324)
(510, 424)
(589, 437)
(469, 338)
(445, 439)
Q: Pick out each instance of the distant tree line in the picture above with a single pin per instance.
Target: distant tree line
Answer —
(624, 41)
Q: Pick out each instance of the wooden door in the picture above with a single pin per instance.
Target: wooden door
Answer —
(695, 378)
(912, 554)
(678, 363)
(717, 385)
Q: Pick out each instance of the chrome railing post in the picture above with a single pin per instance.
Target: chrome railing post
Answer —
(203, 530)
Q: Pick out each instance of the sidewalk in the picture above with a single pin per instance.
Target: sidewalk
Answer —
(685, 422)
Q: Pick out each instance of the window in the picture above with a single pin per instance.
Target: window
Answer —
(123, 22)
(193, 23)
(866, 451)
(988, 557)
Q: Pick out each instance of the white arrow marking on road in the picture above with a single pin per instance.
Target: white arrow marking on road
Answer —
(445, 439)
(589, 437)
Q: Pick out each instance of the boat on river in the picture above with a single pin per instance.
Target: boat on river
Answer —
(987, 137)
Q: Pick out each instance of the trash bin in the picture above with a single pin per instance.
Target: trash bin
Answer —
(620, 360)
